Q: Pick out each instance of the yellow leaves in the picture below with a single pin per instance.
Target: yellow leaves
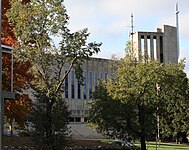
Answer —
(22, 14)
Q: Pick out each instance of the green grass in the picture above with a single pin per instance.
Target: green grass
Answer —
(166, 146)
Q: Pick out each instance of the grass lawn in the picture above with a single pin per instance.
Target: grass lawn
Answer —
(166, 146)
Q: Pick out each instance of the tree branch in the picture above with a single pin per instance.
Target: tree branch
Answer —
(62, 79)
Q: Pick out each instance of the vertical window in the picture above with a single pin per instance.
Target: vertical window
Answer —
(72, 84)
(90, 84)
(161, 49)
(78, 90)
(66, 86)
(95, 78)
(101, 76)
(106, 76)
(84, 86)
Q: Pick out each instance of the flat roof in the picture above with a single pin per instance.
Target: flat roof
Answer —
(6, 49)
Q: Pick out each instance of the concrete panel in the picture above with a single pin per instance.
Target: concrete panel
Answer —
(170, 44)
(82, 131)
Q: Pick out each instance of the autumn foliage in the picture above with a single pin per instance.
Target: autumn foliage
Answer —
(8, 37)
(14, 109)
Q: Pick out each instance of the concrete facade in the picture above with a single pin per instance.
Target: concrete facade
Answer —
(160, 45)
(77, 96)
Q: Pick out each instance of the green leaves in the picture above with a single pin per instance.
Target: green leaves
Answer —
(145, 89)
(35, 25)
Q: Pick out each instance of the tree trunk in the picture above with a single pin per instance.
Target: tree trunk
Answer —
(142, 126)
(142, 141)
(50, 139)
(11, 128)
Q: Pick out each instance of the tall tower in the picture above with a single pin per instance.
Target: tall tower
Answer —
(132, 32)
(177, 25)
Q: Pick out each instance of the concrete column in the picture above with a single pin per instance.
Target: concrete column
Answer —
(139, 46)
(145, 46)
(152, 46)
(157, 48)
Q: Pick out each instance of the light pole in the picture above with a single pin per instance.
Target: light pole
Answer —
(158, 131)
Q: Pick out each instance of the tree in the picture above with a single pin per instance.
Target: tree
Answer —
(20, 107)
(135, 84)
(174, 120)
(147, 88)
(8, 37)
(138, 83)
(110, 116)
(55, 117)
(35, 25)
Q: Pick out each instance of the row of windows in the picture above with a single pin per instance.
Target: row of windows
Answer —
(77, 119)
(90, 85)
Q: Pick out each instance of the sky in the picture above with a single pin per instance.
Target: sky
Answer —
(109, 21)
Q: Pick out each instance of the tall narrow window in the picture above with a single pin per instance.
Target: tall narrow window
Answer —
(84, 86)
(66, 86)
(161, 49)
(106, 77)
(90, 84)
(72, 84)
(95, 78)
(78, 90)
(101, 76)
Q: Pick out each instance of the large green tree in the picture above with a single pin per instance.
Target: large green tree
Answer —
(146, 89)
(50, 115)
(175, 118)
(35, 26)
(110, 116)
(151, 87)
(135, 85)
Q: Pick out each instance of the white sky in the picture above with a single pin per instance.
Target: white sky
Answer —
(108, 21)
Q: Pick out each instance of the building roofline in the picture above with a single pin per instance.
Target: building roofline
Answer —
(6, 49)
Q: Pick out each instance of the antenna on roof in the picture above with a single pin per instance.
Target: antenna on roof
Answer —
(132, 31)
(177, 26)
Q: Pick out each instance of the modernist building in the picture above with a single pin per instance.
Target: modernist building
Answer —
(77, 95)
(160, 45)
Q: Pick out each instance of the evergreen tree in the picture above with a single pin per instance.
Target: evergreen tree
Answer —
(49, 121)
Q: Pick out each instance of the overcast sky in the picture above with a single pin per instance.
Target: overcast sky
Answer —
(108, 21)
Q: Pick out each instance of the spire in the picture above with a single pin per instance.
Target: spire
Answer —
(132, 32)
(177, 26)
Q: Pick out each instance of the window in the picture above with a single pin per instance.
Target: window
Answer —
(72, 84)
(77, 119)
(84, 86)
(90, 84)
(85, 119)
(78, 90)
(106, 77)
(66, 86)
(101, 76)
(71, 119)
(95, 78)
